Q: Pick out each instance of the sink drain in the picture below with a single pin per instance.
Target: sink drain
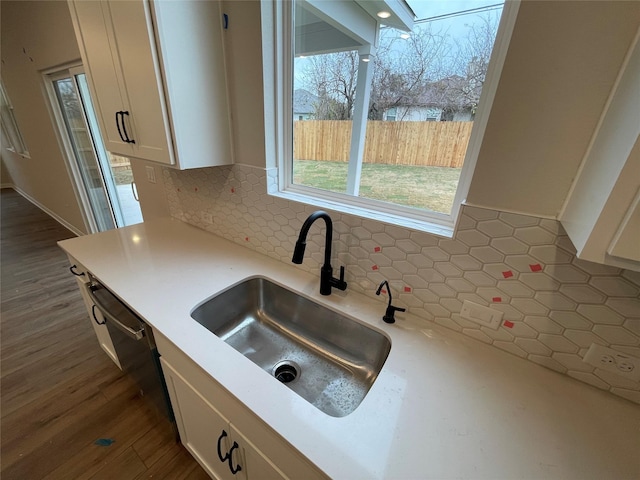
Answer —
(286, 371)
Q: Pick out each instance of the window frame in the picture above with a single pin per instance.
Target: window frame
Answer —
(277, 28)
(10, 129)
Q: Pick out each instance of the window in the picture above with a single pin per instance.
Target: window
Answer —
(10, 131)
(398, 106)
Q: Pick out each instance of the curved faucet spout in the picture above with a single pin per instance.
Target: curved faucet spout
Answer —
(298, 252)
(326, 272)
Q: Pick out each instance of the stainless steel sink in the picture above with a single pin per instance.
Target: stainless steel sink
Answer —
(327, 358)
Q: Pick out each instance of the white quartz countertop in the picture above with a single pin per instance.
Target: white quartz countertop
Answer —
(444, 405)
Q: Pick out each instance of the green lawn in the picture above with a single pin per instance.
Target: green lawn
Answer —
(431, 188)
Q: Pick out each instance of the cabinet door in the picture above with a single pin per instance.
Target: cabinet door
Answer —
(97, 321)
(254, 463)
(203, 430)
(134, 42)
(102, 68)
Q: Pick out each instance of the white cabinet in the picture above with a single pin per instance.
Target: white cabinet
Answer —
(95, 316)
(221, 450)
(215, 428)
(157, 78)
(602, 212)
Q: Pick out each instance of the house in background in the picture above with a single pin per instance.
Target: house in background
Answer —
(452, 99)
(304, 104)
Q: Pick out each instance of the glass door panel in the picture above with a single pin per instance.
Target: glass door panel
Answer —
(85, 157)
(105, 183)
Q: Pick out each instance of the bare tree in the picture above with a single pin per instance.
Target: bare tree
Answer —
(333, 77)
(426, 69)
(472, 61)
(403, 69)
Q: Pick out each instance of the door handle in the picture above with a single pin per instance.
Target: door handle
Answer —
(118, 126)
(228, 456)
(124, 127)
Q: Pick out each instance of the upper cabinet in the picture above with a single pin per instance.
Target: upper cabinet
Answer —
(157, 77)
(602, 212)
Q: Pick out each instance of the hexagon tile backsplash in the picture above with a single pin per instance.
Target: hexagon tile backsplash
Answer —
(555, 305)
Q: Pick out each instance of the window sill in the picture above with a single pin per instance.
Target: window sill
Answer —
(444, 229)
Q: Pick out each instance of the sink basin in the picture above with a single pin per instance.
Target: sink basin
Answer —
(325, 357)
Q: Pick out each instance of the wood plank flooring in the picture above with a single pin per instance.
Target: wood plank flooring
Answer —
(59, 392)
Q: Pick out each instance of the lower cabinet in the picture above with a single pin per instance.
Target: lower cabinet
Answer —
(95, 316)
(221, 450)
(215, 428)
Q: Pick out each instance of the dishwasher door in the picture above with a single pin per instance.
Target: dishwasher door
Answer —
(135, 346)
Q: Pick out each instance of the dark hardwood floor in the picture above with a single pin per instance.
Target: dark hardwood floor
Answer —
(59, 392)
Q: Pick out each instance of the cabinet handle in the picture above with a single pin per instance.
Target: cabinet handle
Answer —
(238, 467)
(72, 270)
(118, 125)
(227, 457)
(124, 127)
(95, 319)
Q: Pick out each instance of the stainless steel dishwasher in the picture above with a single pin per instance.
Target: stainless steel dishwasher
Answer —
(136, 349)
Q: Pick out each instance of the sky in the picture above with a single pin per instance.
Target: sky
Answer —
(455, 25)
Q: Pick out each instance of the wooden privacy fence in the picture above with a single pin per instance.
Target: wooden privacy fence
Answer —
(439, 144)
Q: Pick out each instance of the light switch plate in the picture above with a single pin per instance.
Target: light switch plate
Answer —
(613, 361)
(481, 315)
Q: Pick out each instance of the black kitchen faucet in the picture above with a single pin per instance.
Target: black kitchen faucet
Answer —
(327, 280)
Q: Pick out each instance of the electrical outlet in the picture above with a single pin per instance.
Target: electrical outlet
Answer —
(482, 315)
(151, 174)
(613, 361)
(206, 217)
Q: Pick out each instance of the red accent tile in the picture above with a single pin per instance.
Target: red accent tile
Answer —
(375, 267)
(508, 324)
(377, 249)
(233, 190)
(384, 290)
(246, 239)
(507, 274)
(497, 299)
(407, 289)
(535, 267)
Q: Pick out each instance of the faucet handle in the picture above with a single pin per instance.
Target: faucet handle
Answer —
(339, 283)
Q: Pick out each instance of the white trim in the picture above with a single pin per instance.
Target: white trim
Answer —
(492, 78)
(52, 214)
(509, 210)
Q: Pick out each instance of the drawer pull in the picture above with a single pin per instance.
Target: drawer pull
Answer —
(72, 269)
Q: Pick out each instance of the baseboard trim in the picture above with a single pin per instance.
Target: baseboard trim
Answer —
(52, 214)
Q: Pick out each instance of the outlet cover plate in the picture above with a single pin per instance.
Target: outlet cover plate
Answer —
(151, 174)
(613, 361)
(485, 316)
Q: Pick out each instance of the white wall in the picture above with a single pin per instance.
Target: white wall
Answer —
(37, 35)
